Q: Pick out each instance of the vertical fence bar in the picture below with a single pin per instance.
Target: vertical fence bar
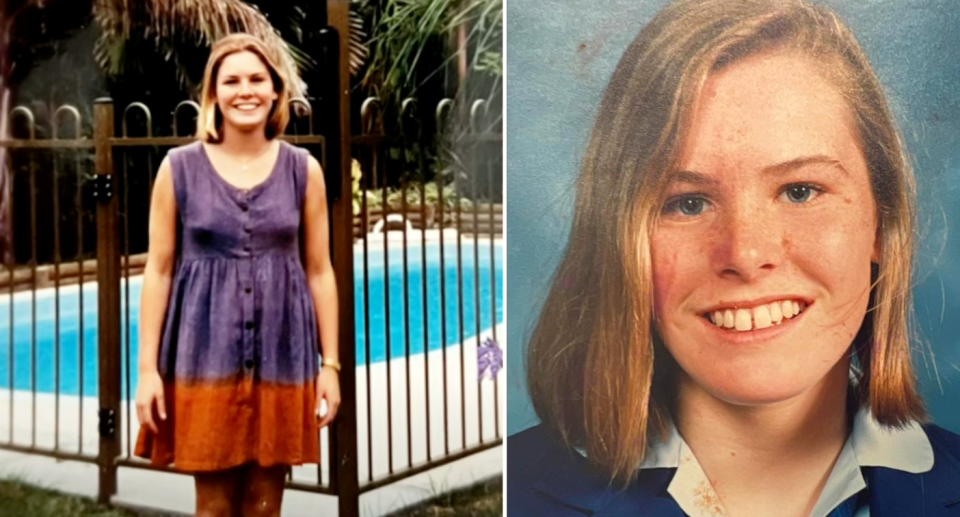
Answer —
(344, 437)
(457, 186)
(493, 292)
(423, 279)
(80, 279)
(31, 127)
(33, 297)
(367, 129)
(11, 262)
(406, 277)
(366, 312)
(57, 169)
(475, 167)
(56, 291)
(108, 288)
(388, 352)
(406, 314)
(443, 287)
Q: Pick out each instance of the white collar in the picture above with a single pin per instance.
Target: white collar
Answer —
(869, 445)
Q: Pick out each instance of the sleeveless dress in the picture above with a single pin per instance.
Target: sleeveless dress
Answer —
(238, 353)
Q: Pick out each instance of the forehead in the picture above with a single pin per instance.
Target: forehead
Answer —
(766, 109)
(243, 62)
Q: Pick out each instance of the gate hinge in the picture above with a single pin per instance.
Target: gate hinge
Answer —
(108, 423)
(103, 187)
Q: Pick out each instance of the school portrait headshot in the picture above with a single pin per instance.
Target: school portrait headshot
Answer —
(733, 264)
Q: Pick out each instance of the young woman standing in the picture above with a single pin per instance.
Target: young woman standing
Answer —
(233, 311)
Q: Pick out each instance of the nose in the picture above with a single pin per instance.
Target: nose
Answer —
(750, 243)
(245, 88)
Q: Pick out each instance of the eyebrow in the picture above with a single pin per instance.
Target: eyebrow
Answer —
(236, 76)
(699, 178)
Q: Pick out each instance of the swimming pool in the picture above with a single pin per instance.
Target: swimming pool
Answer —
(43, 358)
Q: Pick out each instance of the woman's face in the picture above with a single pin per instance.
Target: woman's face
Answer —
(770, 211)
(245, 91)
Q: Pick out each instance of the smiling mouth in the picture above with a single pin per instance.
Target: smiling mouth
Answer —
(760, 317)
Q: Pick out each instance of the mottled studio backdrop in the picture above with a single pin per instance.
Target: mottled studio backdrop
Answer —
(560, 56)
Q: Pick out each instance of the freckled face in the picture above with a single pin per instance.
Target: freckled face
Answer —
(773, 204)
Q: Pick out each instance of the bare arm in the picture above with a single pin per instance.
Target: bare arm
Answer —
(320, 277)
(157, 277)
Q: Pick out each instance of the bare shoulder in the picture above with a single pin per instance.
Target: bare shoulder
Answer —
(164, 178)
(314, 171)
(164, 168)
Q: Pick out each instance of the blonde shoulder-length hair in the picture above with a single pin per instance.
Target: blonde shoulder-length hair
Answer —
(210, 120)
(597, 373)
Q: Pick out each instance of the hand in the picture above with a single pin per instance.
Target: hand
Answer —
(328, 390)
(150, 391)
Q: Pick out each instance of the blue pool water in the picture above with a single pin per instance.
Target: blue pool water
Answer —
(41, 358)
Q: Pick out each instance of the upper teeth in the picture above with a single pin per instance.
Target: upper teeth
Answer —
(759, 317)
(245, 106)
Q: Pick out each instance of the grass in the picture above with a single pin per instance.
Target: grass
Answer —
(481, 500)
(19, 499)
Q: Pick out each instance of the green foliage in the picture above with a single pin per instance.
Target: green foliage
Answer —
(177, 30)
(430, 192)
(432, 195)
(491, 62)
(408, 33)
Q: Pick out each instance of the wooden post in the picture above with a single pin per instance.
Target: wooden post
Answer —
(344, 437)
(108, 301)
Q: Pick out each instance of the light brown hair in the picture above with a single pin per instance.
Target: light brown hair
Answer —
(597, 373)
(210, 120)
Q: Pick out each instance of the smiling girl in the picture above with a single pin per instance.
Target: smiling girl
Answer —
(232, 318)
(727, 331)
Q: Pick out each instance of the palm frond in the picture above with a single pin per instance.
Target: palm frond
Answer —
(171, 24)
(358, 47)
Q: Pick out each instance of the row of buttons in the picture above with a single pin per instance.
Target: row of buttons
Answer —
(246, 228)
(246, 247)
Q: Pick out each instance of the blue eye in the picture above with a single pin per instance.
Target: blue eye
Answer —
(798, 194)
(688, 205)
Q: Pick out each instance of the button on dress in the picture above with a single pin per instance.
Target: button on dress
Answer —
(238, 353)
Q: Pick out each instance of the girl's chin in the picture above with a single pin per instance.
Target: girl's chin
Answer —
(750, 390)
(246, 124)
(752, 396)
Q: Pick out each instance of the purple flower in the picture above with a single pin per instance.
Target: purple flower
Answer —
(489, 359)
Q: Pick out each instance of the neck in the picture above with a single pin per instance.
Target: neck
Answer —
(786, 448)
(242, 143)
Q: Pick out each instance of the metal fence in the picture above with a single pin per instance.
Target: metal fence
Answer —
(431, 398)
(68, 339)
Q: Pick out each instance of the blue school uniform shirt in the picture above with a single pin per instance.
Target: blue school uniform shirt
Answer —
(914, 471)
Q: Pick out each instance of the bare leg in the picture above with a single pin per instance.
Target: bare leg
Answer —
(262, 490)
(218, 493)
